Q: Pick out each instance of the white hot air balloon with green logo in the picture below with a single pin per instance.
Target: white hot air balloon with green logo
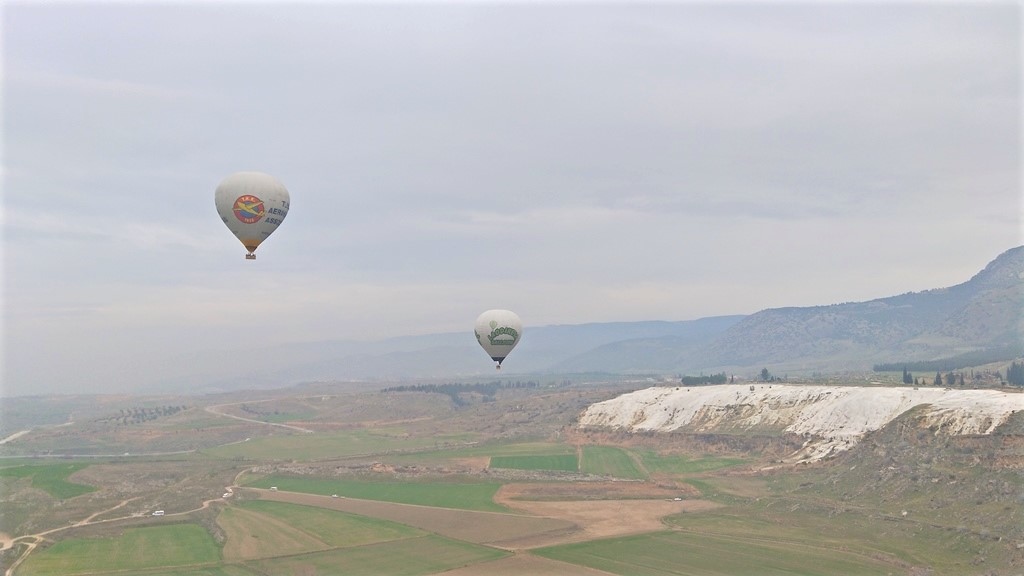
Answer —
(252, 205)
(498, 332)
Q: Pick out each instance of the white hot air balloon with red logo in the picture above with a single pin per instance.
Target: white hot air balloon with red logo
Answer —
(498, 332)
(252, 205)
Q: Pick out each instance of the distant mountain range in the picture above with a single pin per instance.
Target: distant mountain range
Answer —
(984, 315)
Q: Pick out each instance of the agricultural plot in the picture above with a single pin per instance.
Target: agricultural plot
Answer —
(676, 464)
(135, 549)
(686, 553)
(611, 461)
(565, 462)
(296, 529)
(459, 451)
(499, 529)
(796, 524)
(225, 570)
(409, 557)
(51, 478)
(463, 496)
(518, 449)
(305, 447)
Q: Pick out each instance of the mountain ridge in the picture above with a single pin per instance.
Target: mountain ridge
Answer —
(983, 313)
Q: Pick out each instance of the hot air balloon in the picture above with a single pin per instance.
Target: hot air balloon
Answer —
(498, 332)
(252, 205)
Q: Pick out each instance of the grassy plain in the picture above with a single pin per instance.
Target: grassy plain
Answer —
(409, 557)
(334, 444)
(567, 462)
(680, 464)
(135, 550)
(673, 553)
(51, 478)
(611, 461)
(305, 528)
(224, 570)
(460, 495)
(862, 533)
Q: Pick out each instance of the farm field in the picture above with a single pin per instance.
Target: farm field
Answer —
(137, 549)
(611, 461)
(51, 478)
(331, 444)
(461, 495)
(566, 462)
(408, 557)
(500, 529)
(675, 553)
(501, 500)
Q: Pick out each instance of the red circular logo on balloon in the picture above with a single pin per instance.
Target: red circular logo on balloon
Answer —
(249, 209)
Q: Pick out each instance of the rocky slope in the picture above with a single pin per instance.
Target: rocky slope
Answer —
(831, 418)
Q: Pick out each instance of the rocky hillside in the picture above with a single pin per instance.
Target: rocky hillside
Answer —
(832, 418)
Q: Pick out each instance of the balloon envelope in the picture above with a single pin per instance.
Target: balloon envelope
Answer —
(252, 205)
(498, 332)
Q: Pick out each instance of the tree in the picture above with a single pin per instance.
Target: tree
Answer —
(1015, 374)
(907, 378)
(938, 379)
(765, 374)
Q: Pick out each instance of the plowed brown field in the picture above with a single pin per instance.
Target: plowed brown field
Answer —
(633, 509)
(493, 528)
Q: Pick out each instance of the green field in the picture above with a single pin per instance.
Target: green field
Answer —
(688, 553)
(134, 550)
(409, 557)
(678, 465)
(461, 449)
(261, 529)
(464, 496)
(565, 462)
(226, 570)
(518, 449)
(329, 445)
(796, 523)
(334, 527)
(51, 478)
(611, 461)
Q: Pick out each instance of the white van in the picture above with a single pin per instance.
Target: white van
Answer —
(158, 513)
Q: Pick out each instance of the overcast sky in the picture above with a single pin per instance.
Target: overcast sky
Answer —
(573, 162)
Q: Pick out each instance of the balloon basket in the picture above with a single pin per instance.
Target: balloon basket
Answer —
(250, 256)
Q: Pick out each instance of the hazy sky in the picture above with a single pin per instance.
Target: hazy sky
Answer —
(574, 162)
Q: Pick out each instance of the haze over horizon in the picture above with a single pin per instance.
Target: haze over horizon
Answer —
(573, 163)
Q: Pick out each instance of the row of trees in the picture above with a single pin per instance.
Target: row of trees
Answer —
(702, 379)
(1015, 374)
(455, 390)
(136, 415)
